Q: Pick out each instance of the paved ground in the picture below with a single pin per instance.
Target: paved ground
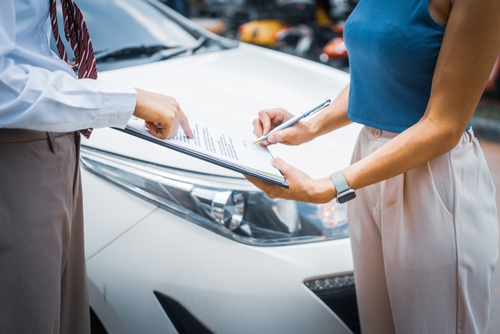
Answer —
(492, 153)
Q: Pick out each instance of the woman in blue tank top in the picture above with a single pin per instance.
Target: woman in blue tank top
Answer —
(422, 215)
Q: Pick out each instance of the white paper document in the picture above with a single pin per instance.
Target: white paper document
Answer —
(221, 147)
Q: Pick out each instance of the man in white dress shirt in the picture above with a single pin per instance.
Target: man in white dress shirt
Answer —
(43, 286)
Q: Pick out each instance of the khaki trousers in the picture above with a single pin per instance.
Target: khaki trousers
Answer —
(425, 243)
(43, 283)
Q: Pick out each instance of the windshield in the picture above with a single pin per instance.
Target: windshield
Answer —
(115, 23)
(132, 32)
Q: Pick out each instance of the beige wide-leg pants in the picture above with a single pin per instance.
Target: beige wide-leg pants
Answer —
(425, 243)
(43, 283)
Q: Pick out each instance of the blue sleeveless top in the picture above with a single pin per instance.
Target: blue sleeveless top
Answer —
(393, 47)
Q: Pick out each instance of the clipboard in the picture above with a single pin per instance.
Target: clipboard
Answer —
(216, 146)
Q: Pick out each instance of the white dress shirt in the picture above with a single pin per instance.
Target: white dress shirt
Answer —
(38, 90)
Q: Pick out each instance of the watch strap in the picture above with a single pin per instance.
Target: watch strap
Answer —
(339, 182)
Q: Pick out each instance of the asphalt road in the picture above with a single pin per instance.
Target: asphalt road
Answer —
(492, 153)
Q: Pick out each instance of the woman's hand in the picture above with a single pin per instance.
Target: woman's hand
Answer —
(162, 114)
(302, 187)
(268, 119)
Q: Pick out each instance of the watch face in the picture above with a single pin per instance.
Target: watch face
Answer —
(346, 196)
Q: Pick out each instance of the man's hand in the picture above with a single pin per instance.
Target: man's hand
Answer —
(162, 114)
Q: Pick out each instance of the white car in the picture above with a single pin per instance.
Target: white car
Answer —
(158, 259)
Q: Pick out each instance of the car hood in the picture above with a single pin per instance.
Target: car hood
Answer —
(227, 89)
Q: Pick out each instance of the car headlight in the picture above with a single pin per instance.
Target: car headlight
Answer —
(232, 207)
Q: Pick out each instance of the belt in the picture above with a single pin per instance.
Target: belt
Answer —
(23, 135)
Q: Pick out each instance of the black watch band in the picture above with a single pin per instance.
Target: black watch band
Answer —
(344, 192)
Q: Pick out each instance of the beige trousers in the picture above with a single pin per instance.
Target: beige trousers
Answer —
(43, 283)
(425, 243)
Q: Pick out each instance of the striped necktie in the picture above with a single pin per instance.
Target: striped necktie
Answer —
(77, 35)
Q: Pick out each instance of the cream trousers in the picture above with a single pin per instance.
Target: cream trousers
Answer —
(425, 243)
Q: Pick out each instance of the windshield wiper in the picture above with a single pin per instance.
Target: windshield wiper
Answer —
(155, 52)
(132, 50)
(201, 41)
(162, 54)
(170, 53)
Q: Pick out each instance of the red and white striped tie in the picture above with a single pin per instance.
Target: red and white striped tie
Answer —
(77, 35)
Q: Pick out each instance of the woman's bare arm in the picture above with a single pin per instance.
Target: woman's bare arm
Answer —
(470, 46)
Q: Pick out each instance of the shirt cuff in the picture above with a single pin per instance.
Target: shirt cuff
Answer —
(118, 104)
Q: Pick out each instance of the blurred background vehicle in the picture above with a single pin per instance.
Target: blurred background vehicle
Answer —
(310, 29)
(160, 259)
(334, 53)
(180, 6)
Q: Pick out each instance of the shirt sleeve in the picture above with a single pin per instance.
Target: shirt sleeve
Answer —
(35, 98)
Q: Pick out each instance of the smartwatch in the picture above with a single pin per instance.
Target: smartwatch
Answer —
(344, 192)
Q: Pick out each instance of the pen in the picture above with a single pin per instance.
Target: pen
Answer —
(320, 106)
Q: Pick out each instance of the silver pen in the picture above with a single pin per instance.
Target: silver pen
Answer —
(320, 106)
